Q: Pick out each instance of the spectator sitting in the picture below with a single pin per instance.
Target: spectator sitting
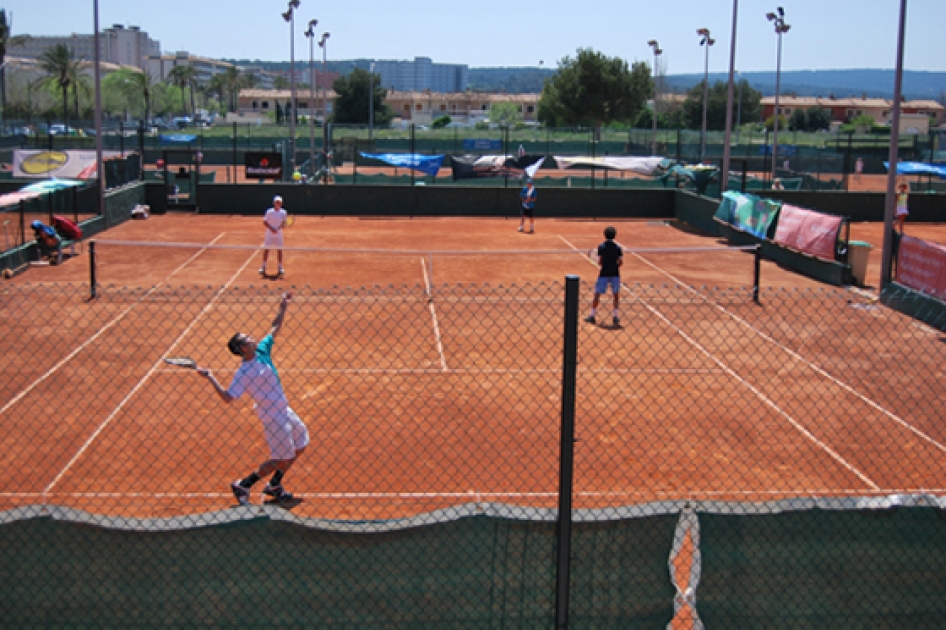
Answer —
(48, 242)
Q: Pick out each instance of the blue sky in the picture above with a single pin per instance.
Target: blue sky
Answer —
(825, 34)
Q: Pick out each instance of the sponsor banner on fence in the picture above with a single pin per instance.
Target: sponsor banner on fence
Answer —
(808, 231)
(482, 144)
(42, 164)
(921, 265)
(639, 165)
(263, 165)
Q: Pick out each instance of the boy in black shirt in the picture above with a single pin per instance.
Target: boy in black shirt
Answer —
(610, 259)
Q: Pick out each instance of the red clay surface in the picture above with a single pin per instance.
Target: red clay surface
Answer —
(416, 404)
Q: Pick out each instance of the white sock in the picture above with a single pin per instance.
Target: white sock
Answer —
(594, 312)
(615, 312)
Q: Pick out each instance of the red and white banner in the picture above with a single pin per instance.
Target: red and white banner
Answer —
(921, 265)
(808, 231)
(43, 164)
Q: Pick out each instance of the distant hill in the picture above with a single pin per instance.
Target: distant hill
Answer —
(840, 83)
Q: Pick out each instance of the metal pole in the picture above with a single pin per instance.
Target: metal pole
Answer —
(778, 88)
(292, 90)
(727, 150)
(566, 452)
(757, 273)
(99, 165)
(705, 101)
(890, 206)
(653, 133)
(371, 102)
(92, 280)
(311, 35)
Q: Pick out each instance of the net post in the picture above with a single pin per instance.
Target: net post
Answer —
(92, 294)
(756, 273)
(567, 451)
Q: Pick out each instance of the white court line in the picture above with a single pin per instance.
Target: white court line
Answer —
(765, 399)
(824, 373)
(433, 316)
(147, 376)
(101, 331)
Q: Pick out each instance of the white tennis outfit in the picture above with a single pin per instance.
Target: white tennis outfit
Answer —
(274, 218)
(284, 430)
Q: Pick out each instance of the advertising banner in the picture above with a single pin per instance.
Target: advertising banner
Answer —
(921, 265)
(479, 166)
(639, 165)
(263, 165)
(808, 231)
(482, 144)
(42, 164)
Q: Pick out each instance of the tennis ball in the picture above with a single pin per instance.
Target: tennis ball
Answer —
(8, 273)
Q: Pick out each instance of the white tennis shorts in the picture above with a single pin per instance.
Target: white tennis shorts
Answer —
(273, 241)
(285, 433)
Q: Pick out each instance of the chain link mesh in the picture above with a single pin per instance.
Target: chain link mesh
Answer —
(751, 453)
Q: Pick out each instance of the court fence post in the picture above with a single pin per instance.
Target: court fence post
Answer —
(92, 294)
(567, 451)
(757, 273)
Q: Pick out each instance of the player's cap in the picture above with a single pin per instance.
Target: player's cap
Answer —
(277, 198)
(529, 181)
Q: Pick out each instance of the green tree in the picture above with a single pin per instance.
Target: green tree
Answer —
(863, 122)
(818, 118)
(281, 83)
(798, 121)
(507, 114)
(57, 63)
(184, 77)
(595, 90)
(441, 122)
(750, 108)
(351, 104)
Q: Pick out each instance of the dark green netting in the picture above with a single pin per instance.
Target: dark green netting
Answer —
(476, 572)
(824, 569)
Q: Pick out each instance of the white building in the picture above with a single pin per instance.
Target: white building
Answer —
(422, 74)
(117, 45)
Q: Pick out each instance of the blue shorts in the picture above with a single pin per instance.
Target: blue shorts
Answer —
(601, 286)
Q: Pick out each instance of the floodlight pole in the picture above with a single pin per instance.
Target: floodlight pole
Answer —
(290, 16)
(780, 28)
(653, 136)
(371, 101)
(727, 148)
(890, 206)
(323, 44)
(310, 35)
(706, 41)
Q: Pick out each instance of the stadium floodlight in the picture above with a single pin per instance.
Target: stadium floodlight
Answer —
(310, 35)
(653, 137)
(780, 28)
(705, 41)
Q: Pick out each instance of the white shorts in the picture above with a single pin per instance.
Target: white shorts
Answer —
(285, 433)
(273, 241)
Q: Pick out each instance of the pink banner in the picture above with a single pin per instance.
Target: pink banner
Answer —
(808, 231)
(922, 266)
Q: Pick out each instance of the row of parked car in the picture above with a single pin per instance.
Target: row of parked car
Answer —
(155, 126)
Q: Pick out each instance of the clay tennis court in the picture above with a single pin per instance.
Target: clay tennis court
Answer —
(425, 357)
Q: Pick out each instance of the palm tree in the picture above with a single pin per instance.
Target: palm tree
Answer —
(142, 82)
(79, 82)
(57, 63)
(6, 41)
(183, 77)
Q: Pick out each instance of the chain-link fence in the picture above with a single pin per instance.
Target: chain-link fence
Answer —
(735, 464)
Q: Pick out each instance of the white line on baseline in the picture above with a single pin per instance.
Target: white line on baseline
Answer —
(433, 315)
(871, 403)
(765, 399)
(102, 330)
(147, 376)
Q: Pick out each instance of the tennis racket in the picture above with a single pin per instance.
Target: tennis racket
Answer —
(290, 220)
(182, 362)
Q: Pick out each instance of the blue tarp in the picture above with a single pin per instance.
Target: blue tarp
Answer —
(919, 168)
(49, 185)
(428, 164)
(178, 138)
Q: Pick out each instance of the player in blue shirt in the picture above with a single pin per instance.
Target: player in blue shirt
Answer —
(528, 197)
(610, 259)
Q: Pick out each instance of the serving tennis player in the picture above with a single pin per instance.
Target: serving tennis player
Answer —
(286, 435)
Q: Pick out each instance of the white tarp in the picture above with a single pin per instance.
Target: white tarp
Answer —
(43, 164)
(641, 165)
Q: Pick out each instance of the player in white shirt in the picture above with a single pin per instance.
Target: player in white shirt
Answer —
(275, 221)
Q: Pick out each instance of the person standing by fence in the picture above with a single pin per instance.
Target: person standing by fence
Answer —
(528, 196)
(903, 202)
